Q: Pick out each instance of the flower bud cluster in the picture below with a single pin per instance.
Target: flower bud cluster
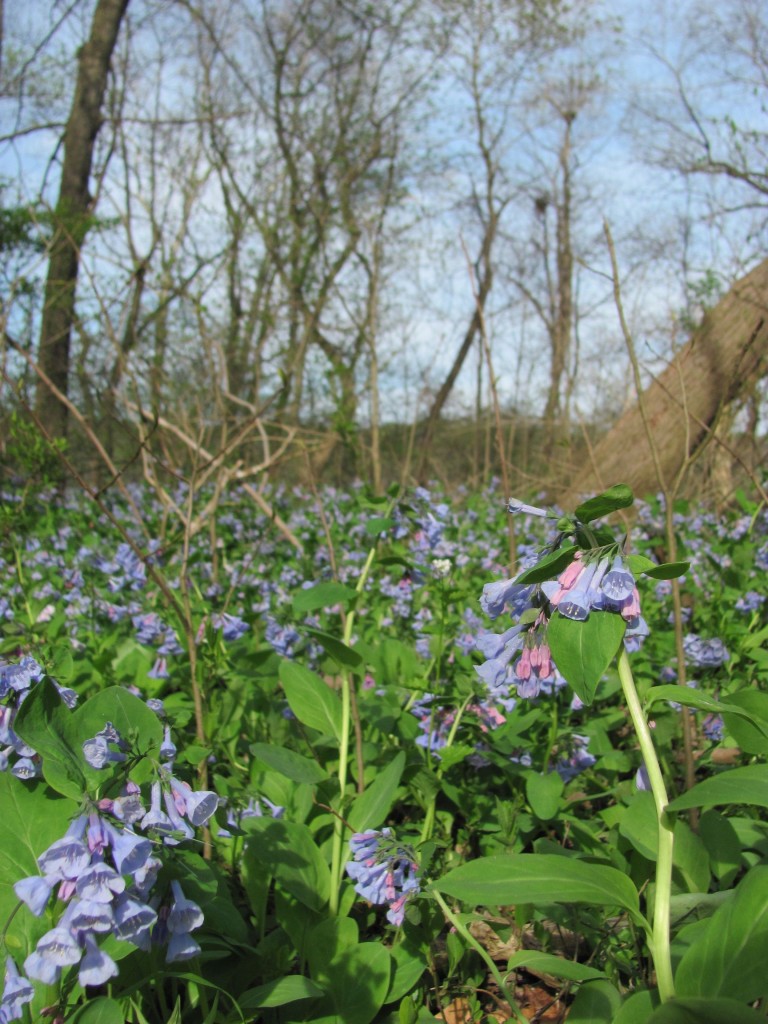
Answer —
(384, 872)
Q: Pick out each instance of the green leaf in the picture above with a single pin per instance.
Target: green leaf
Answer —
(596, 1002)
(344, 656)
(544, 794)
(323, 595)
(557, 966)
(378, 525)
(638, 564)
(668, 570)
(33, 817)
(313, 702)
(549, 567)
(637, 1008)
(728, 959)
(48, 726)
(287, 762)
(704, 1011)
(584, 650)
(538, 878)
(752, 734)
(747, 785)
(695, 699)
(371, 807)
(101, 1010)
(616, 497)
(357, 981)
(290, 854)
(290, 989)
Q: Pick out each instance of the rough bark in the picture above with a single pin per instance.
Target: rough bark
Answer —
(73, 209)
(722, 360)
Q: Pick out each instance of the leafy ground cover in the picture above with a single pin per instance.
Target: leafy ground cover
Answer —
(338, 764)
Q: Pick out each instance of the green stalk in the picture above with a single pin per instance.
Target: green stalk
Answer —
(469, 938)
(337, 848)
(659, 937)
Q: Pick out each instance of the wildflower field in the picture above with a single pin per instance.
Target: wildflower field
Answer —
(356, 759)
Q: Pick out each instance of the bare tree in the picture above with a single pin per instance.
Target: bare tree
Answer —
(73, 209)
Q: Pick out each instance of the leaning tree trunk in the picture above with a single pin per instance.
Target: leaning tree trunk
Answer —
(73, 210)
(723, 358)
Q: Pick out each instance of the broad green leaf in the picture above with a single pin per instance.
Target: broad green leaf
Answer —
(47, 725)
(101, 1010)
(723, 846)
(616, 497)
(344, 656)
(728, 960)
(557, 966)
(691, 698)
(596, 1002)
(378, 525)
(747, 785)
(313, 702)
(668, 570)
(371, 808)
(637, 1008)
(327, 939)
(538, 878)
(584, 650)
(290, 854)
(33, 817)
(409, 965)
(323, 595)
(638, 564)
(290, 989)
(704, 1011)
(288, 763)
(752, 734)
(544, 793)
(356, 981)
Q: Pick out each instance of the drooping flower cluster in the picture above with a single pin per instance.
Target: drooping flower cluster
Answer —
(384, 871)
(519, 660)
(104, 872)
(595, 584)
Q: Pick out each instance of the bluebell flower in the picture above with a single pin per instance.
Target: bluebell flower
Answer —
(749, 602)
(232, 627)
(96, 967)
(17, 991)
(384, 872)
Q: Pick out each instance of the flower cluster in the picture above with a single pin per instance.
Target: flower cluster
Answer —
(384, 872)
(595, 584)
(104, 872)
(705, 653)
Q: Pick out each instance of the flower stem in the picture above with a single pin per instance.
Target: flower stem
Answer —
(659, 938)
(337, 865)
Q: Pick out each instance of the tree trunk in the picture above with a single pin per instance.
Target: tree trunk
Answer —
(723, 358)
(73, 209)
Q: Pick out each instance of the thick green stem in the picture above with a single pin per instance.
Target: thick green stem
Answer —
(659, 938)
(469, 938)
